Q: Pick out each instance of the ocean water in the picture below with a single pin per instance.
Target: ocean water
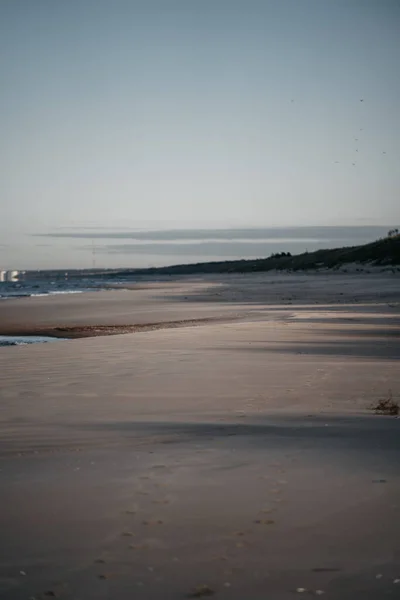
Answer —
(43, 287)
(22, 340)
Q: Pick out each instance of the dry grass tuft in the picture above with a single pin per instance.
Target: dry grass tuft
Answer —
(387, 406)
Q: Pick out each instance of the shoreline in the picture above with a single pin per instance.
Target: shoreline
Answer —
(187, 302)
(88, 331)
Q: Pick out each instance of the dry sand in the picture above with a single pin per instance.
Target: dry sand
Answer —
(239, 455)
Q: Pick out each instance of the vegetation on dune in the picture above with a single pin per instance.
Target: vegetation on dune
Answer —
(384, 252)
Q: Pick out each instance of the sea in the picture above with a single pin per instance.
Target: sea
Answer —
(24, 340)
(43, 286)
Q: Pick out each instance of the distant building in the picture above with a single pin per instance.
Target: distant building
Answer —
(9, 276)
(12, 275)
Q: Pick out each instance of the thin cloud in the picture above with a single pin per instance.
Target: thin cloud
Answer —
(208, 249)
(364, 233)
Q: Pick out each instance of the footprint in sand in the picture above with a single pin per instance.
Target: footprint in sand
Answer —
(106, 576)
(151, 522)
(264, 521)
(201, 591)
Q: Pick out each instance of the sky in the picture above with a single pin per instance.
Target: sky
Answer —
(124, 115)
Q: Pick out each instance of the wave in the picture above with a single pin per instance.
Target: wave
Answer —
(42, 294)
(17, 340)
(56, 292)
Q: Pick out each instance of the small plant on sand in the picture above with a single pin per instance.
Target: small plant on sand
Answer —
(387, 406)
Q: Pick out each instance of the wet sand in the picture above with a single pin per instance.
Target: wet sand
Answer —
(238, 459)
(189, 301)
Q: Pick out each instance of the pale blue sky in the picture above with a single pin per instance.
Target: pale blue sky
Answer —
(194, 113)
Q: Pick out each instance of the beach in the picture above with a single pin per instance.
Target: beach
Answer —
(208, 436)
